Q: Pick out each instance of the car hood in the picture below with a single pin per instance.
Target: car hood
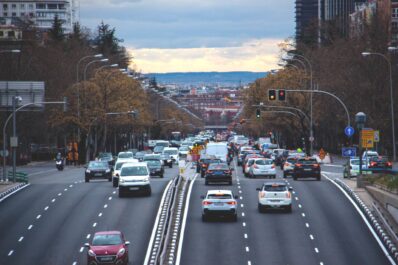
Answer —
(106, 250)
(135, 177)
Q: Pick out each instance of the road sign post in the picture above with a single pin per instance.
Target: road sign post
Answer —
(349, 131)
(349, 151)
(367, 138)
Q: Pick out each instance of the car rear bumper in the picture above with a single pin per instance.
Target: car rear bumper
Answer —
(123, 188)
(98, 175)
(275, 202)
(218, 178)
(210, 212)
(307, 174)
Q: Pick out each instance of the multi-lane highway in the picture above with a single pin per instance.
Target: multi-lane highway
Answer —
(49, 222)
(324, 228)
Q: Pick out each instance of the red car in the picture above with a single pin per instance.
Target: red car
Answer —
(108, 247)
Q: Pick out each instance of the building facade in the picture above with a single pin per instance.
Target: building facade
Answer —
(307, 14)
(41, 12)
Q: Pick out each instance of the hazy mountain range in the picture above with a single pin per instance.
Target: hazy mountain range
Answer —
(207, 78)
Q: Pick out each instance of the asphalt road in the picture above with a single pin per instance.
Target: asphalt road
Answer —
(323, 228)
(49, 222)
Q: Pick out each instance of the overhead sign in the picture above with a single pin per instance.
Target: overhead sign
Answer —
(377, 136)
(367, 138)
(349, 151)
(349, 131)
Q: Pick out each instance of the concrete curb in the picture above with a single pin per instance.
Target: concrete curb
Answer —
(4, 195)
(372, 220)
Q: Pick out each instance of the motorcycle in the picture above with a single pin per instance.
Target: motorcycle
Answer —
(59, 163)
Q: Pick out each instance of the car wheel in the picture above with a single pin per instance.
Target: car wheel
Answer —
(230, 182)
(110, 179)
(87, 179)
(289, 209)
(274, 176)
(171, 165)
(284, 175)
(115, 183)
(149, 192)
(161, 176)
(260, 208)
(318, 178)
(294, 177)
(204, 218)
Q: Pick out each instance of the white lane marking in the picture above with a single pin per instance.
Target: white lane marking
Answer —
(100, 214)
(46, 208)
(241, 198)
(249, 262)
(307, 225)
(95, 224)
(303, 214)
(312, 237)
(114, 192)
(10, 253)
(81, 249)
(110, 198)
(88, 236)
(316, 250)
(74, 263)
(243, 214)
(155, 226)
(373, 232)
(38, 217)
(294, 192)
(242, 205)
(75, 182)
(247, 249)
(238, 187)
(30, 227)
(240, 191)
(299, 206)
(244, 224)
(106, 206)
(245, 236)
(53, 200)
(65, 189)
(71, 185)
(321, 263)
(60, 194)
(296, 198)
(20, 239)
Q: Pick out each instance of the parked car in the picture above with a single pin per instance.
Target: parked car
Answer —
(220, 203)
(351, 169)
(108, 247)
(155, 168)
(262, 167)
(134, 177)
(98, 169)
(274, 195)
(218, 172)
(307, 168)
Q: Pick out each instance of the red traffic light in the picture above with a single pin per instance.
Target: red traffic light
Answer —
(281, 95)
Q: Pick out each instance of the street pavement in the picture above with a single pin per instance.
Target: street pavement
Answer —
(324, 228)
(49, 222)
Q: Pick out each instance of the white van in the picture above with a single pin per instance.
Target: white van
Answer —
(134, 177)
(218, 150)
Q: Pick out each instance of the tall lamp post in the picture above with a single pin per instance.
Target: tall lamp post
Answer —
(360, 119)
(365, 54)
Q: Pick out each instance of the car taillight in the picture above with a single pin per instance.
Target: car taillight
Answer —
(262, 194)
(298, 165)
(273, 166)
(288, 195)
(316, 165)
(255, 166)
(373, 164)
(206, 203)
(389, 164)
(232, 203)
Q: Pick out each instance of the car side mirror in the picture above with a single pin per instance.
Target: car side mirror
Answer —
(259, 189)
(290, 189)
(87, 245)
(202, 197)
(127, 243)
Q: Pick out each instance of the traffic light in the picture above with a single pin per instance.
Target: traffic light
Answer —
(281, 95)
(258, 113)
(271, 94)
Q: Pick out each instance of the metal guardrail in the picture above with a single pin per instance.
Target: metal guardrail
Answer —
(19, 176)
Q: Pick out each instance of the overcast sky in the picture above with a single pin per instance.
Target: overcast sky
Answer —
(196, 35)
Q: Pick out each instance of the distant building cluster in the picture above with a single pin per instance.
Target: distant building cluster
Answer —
(349, 17)
(18, 17)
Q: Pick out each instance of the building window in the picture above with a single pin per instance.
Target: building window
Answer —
(14, 14)
(14, 6)
(394, 25)
(52, 6)
(22, 14)
(11, 33)
(22, 6)
(41, 6)
(5, 6)
(1, 33)
(31, 6)
(5, 14)
(395, 12)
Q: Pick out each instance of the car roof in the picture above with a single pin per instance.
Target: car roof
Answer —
(134, 164)
(108, 232)
(170, 148)
(275, 182)
(219, 191)
(126, 160)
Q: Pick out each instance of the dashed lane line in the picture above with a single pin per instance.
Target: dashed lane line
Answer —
(20, 239)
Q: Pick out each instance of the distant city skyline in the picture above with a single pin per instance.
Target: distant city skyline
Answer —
(191, 35)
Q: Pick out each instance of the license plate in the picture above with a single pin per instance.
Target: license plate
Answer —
(106, 258)
(219, 204)
(275, 200)
(98, 174)
(134, 188)
(264, 171)
(307, 169)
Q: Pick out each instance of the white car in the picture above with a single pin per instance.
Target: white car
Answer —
(352, 169)
(172, 152)
(274, 195)
(367, 155)
(262, 167)
(246, 168)
(221, 203)
(288, 166)
(183, 151)
(125, 155)
(118, 166)
(134, 177)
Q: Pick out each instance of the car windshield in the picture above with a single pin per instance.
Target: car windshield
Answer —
(139, 154)
(165, 144)
(105, 155)
(292, 160)
(184, 148)
(119, 165)
(219, 196)
(158, 149)
(379, 159)
(134, 171)
(107, 240)
(170, 152)
(153, 163)
(218, 166)
(98, 165)
(275, 187)
(308, 161)
(126, 155)
(264, 162)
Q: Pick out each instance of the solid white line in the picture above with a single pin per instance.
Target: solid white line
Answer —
(45, 209)
(20, 239)
(41, 172)
(155, 226)
(38, 217)
(12, 193)
(81, 249)
(245, 236)
(364, 219)
(312, 237)
(88, 236)
(316, 250)
(247, 249)
(10, 253)
(30, 227)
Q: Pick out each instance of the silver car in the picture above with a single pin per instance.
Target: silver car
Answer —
(274, 195)
(220, 203)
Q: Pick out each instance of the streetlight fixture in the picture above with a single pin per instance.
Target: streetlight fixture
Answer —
(10, 51)
(107, 66)
(365, 54)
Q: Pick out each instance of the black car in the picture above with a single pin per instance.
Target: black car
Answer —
(379, 163)
(155, 168)
(107, 157)
(218, 172)
(307, 168)
(139, 155)
(204, 163)
(98, 169)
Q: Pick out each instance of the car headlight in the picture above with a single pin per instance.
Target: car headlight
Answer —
(146, 179)
(121, 252)
(91, 253)
(88, 171)
(121, 180)
(108, 170)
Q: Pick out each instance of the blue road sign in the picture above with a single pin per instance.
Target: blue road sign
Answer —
(349, 151)
(349, 131)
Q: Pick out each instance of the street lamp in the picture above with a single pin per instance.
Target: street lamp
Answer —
(10, 51)
(360, 119)
(106, 66)
(365, 54)
(90, 63)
